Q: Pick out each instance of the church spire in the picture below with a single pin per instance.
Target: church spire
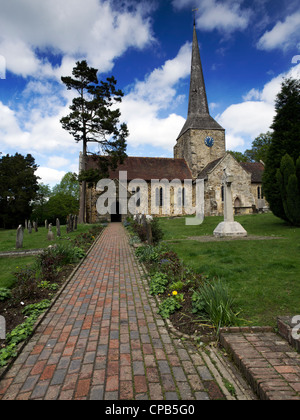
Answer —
(197, 99)
(198, 111)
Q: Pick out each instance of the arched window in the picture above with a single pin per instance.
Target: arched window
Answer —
(179, 197)
(222, 193)
(138, 202)
(161, 197)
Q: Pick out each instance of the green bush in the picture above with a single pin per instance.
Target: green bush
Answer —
(158, 283)
(4, 294)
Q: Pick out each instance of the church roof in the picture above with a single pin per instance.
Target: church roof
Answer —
(198, 111)
(256, 170)
(148, 168)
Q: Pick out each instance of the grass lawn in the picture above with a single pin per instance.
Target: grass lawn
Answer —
(36, 240)
(10, 265)
(262, 275)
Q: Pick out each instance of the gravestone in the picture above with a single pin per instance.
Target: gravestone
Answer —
(46, 224)
(50, 233)
(29, 227)
(229, 228)
(36, 226)
(20, 236)
(58, 233)
(75, 222)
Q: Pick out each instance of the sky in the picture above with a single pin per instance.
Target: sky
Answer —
(247, 48)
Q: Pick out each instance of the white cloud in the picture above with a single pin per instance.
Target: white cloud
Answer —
(247, 120)
(225, 16)
(56, 162)
(141, 107)
(76, 29)
(283, 35)
(49, 176)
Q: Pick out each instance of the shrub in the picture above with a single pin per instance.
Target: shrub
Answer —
(213, 299)
(158, 283)
(4, 294)
(26, 284)
(170, 305)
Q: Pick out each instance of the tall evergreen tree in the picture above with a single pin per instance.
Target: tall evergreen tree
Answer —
(18, 187)
(289, 184)
(285, 140)
(95, 118)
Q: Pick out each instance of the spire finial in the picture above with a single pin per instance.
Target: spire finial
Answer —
(194, 11)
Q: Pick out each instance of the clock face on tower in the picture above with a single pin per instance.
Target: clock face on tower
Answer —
(209, 141)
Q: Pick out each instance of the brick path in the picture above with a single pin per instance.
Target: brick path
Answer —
(103, 340)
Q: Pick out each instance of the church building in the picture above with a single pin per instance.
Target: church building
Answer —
(163, 186)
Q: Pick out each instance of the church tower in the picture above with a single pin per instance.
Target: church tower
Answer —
(202, 139)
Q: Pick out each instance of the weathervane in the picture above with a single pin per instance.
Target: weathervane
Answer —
(194, 11)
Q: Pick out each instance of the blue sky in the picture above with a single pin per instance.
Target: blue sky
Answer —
(247, 48)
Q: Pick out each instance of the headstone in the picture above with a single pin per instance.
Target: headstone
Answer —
(36, 226)
(75, 222)
(46, 224)
(58, 233)
(26, 224)
(229, 227)
(29, 227)
(50, 233)
(20, 236)
(149, 233)
(71, 222)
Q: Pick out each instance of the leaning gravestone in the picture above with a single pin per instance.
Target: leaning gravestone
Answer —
(20, 236)
(229, 227)
(50, 233)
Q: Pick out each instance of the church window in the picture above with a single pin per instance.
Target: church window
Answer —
(181, 197)
(159, 197)
(222, 193)
(138, 202)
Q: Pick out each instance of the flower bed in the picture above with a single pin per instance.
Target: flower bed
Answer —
(35, 287)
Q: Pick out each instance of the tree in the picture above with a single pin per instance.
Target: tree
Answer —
(260, 147)
(239, 156)
(69, 185)
(288, 178)
(39, 205)
(94, 118)
(18, 188)
(285, 140)
(59, 202)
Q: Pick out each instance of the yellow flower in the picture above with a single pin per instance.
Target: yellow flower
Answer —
(174, 293)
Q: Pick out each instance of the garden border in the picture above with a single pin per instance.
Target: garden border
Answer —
(40, 319)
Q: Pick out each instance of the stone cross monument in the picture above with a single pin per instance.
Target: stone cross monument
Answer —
(229, 227)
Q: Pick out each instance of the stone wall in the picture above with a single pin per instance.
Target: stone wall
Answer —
(242, 197)
(191, 147)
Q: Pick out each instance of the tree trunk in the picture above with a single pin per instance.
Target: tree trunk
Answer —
(82, 198)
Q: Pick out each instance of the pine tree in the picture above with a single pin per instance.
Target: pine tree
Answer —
(285, 140)
(94, 118)
(289, 184)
